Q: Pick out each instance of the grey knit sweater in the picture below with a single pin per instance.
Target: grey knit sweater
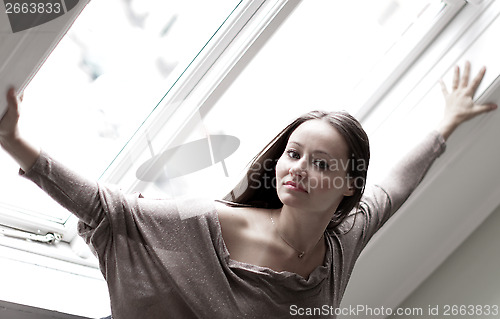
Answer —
(167, 258)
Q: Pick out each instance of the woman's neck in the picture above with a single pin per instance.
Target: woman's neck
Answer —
(302, 230)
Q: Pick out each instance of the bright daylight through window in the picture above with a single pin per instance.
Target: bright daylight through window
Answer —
(303, 66)
(97, 87)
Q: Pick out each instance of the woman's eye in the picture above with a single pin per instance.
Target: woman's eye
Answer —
(321, 164)
(293, 154)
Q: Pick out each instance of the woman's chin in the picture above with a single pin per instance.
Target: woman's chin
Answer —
(293, 200)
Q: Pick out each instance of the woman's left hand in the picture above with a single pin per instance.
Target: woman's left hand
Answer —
(459, 104)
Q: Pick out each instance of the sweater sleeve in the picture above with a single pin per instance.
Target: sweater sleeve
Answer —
(75, 193)
(107, 216)
(80, 196)
(382, 200)
(409, 172)
(119, 225)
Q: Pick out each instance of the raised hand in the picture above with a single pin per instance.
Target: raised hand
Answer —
(10, 140)
(8, 123)
(460, 106)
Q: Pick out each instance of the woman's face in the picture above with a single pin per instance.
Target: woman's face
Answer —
(312, 172)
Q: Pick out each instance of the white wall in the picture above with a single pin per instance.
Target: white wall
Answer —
(470, 276)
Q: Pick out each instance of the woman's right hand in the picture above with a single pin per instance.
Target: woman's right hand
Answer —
(8, 123)
(460, 106)
(23, 152)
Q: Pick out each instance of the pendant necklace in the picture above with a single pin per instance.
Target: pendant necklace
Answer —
(301, 253)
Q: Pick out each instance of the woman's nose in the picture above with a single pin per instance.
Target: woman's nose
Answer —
(299, 169)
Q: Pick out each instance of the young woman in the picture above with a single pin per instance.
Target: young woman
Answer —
(285, 238)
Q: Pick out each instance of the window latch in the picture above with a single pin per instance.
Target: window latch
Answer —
(49, 238)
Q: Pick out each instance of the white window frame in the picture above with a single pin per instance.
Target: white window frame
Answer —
(405, 53)
(443, 49)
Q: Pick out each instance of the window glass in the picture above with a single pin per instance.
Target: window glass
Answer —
(315, 60)
(103, 79)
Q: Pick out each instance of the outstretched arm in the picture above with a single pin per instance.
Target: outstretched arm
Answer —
(459, 107)
(11, 140)
(386, 198)
(74, 192)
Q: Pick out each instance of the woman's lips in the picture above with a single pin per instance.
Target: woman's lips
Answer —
(295, 186)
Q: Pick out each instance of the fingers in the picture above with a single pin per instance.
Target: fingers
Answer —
(11, 98)
(465, 77)
(11, 94)
(12, 104)
(476, 81)
(463, 82)
(443, 87)
(478, 109)
(456, 78)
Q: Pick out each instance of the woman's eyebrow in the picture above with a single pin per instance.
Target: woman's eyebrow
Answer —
(315, 151)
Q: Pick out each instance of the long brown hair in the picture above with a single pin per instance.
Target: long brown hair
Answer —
(258, 187)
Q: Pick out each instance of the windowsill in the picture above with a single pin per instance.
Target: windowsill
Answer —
(51, 277)
(13, 310)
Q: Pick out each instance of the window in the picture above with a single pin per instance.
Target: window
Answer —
(316, 59)
(97, 87)
(409, 28)
(417, 96)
